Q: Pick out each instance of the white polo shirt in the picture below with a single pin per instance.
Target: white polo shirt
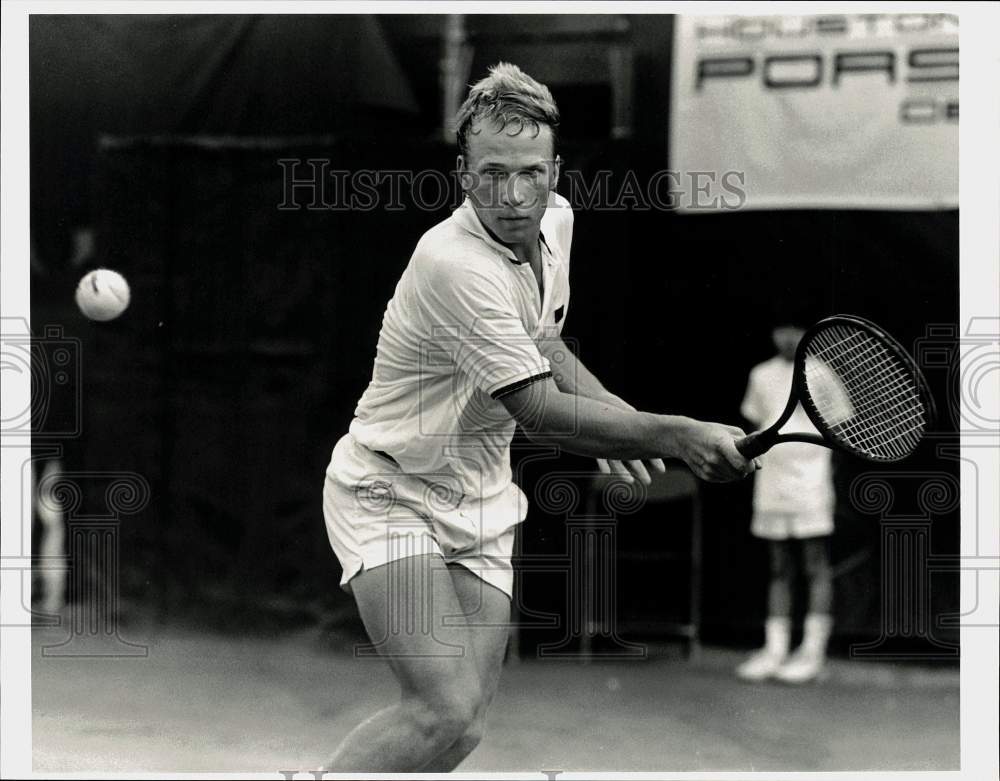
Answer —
(796, 477)
(461, 330)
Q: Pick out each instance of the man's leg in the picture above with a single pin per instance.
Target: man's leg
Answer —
(808, 660)
(403, 605)
(777, 629)
(779, 590)
(819, 575)
(488, 612)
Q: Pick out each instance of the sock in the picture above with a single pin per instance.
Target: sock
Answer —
(777, 633)
(817, 633)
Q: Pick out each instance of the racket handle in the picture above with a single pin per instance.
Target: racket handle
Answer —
(753, 445)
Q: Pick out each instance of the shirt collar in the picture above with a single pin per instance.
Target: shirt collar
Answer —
(466, 217)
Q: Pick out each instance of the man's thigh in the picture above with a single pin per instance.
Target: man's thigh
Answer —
(413, 615)
(486, 611)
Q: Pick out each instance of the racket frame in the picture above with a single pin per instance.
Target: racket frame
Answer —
(761, 441)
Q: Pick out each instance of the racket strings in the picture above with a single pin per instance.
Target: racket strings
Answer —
(875, 421)
(863, 392)
(885, 419)
(860, 360)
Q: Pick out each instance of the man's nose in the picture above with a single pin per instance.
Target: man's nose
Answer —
(505, 192)
(518, 190)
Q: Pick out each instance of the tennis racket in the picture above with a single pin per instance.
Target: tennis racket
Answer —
(860, 389)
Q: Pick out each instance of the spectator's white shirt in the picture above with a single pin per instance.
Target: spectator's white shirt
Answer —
(461, 330)
(796, 475)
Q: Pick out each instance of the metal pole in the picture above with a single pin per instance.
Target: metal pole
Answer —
(455, 63)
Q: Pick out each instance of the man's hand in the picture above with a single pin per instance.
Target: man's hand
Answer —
(630, 470)
(709, 449)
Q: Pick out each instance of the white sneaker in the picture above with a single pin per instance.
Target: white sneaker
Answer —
(802, 666)
(760, 666)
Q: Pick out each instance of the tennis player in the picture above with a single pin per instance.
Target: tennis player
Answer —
(419, 501)
(793, 504)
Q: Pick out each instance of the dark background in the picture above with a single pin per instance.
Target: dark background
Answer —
(252, 329)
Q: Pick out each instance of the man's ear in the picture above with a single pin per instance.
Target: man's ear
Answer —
(556, 168)
(463, 173)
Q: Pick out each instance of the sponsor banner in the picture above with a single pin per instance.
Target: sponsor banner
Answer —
(834, 111)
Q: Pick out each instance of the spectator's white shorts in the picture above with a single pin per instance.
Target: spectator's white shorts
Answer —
(375, 513)
(771, 525)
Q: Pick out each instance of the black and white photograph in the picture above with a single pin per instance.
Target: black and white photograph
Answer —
(514, 390)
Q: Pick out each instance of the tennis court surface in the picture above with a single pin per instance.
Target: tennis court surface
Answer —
(204, 702)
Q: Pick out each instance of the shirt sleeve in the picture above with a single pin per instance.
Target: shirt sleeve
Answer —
(752, 407)
(472, 320)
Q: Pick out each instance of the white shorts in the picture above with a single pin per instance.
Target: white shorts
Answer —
(375, 513)
(775, 525)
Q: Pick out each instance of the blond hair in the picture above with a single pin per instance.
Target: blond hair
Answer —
(508, 96)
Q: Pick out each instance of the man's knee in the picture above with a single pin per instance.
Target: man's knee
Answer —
(818, 569)
(450, 716)
(473, 736)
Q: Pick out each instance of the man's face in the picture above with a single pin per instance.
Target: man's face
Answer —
(786, 339)
(508, 178)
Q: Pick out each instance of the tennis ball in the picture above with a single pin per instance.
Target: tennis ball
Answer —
(102, 294)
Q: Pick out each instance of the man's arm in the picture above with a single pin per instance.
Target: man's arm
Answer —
(572, 376)
(596, 428)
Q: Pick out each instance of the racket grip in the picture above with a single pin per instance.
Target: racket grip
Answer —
(753, 445)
